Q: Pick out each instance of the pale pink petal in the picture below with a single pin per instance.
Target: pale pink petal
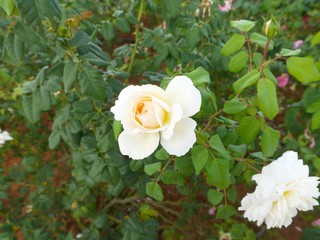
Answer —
(283, 80)
(182, 139)
(297, 44)
(139, 145)
(181, 90)
(226, 7)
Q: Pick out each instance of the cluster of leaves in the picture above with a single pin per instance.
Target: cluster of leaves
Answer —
(72, 58)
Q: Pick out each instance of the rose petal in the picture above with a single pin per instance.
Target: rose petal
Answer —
(181, 90)
(127, 100)
(6, 136)
(176, 115)
(138, 146)
(182, 139)
(121, 105)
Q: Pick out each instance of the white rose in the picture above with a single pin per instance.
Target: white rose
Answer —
(150, 115)
(283, 188)
(4, 136)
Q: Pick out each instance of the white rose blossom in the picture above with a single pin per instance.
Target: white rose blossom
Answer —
(283, 188)
(150, 115)
(4, 136)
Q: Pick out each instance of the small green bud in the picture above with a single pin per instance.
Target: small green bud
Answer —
(271, 28)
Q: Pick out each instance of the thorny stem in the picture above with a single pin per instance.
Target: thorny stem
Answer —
(248, 164)
(250, 51)
(160, 205)
(136, 37)
(121, 201)
(265, 51)
(225, 197)
(100, 112)
(164, 168)
(211, 119)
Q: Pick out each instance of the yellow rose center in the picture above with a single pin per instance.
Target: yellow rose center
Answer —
(149, 114)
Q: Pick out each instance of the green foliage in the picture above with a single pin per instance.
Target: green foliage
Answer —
(218, 173)
(243, 25)
(8, 6)
(154, 190)
(267, 98)
(200, 156)
(63, 64)
(303, 69)
(214, 197)
(225, 212)
(246, 81)
(234, 44)
(238, 61)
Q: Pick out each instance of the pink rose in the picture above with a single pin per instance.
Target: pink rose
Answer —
(297, 44)
(283, 80)
(227, 6)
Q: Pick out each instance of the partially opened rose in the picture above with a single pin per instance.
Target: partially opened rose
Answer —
(150, 115)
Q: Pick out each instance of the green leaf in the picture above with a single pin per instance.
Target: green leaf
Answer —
(91, 82)
(214, 197)
(243, 25)
(288, 52)
(234, 44)
(8, 6)
(28, 108)
(161, 154)
(117, 128)
(303, 69)
(257, 57)
(135, 165)
(268, 74)
(36, 105)
(269, 141)
(69, 75)
(225, 211)
(316, 39)
(234, 106)
(172, 177)
(310, 233)
(80, 38)
(314, 107)
(248, 129)
(54, 139)
(246, 81)
(122, 24)
(315, 121)
(267, 98)
(216, 144)
(108, 31)
(152, 168)
(184, 166)
(33, 13)
(261, 40)
(45, 99)
(218, 173)
(232, 194)
(200, 156)
(199, 76)
(14, 47)
(170, 7)
(238, 62)
(154, 190)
